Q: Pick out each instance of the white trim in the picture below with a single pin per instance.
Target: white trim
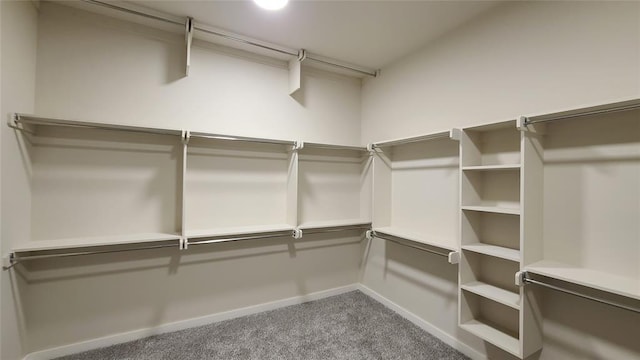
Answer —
(184, 324)
(424, 325)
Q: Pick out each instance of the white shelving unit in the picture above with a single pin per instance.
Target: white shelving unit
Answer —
(334, 184)
(239, 187)
(589, 168)
(416, 189)
(494, 202)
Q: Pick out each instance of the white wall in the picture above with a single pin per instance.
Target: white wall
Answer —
(95, 68)
(521, 58)
(19, 39)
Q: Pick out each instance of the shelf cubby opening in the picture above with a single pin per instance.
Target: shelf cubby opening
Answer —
(237, 187)
(334, 186)
(496, 144)
(491, 234)
(89, 186)
(494, 271)
(499, 189)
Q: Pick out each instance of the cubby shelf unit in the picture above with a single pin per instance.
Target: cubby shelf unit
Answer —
(416, 189)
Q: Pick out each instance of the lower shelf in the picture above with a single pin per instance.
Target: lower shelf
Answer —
(493, 335)
(620, 285)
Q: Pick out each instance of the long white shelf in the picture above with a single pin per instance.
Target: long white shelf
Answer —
(599, 280)
(493, 209)
(70, 243)
(494, 250)
(238, 231)
(494, 293)
(495, 336)
(412, 236)
(492, 167)
(333, 223)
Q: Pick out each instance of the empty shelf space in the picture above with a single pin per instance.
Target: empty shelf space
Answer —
(493, 335)
(71, 243)
(494, 293)
(418, 238)
(493, 250)
(238, 231)
(502, 167)
(616, 284)
(493, 209)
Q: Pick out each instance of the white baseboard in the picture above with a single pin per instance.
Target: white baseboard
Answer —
(426, 326)
(184, 324)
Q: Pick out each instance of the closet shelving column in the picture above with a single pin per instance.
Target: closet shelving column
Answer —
(334, 185)
(416, 190)
(238, 187)
(492, 306)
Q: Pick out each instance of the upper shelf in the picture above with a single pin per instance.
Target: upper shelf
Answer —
(587, 277)
(453, 134)
(418, 238)
(74, 243)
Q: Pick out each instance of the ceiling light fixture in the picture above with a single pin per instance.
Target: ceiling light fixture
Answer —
(271, 4)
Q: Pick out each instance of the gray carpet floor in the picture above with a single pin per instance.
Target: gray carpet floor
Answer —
(350, 326)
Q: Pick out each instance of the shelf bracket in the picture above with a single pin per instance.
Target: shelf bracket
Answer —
(186, 136)
(8, 261)
(297, 234)
(453, 257)
(188, 34)
(295, 72)
(369, 235)
(521, 277)
(455, 134)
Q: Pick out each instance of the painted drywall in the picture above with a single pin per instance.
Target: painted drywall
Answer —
(19, 39)
(522, 58)
(95, 68)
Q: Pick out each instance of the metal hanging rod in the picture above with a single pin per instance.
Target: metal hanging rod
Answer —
(434, 136)
(334, 147)
(241, 138)
(15, 259)
(231, 239)
(233, 37)
(320, 230)
(35, 120)
(408, 244)
(594, 110)
(527, 280)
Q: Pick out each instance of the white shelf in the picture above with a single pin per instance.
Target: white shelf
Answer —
(59, 244)
(493, 209)
(411, 236)
(493, 250)
(599, 280)
(494, 293)
(333, 223)
(493, 335)
(491, 167)
(240, 230)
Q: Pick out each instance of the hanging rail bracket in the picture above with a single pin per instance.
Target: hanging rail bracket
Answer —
(453, 257)
(296, 234)
(9, 261)
(13, 123)
(299, 145)
(186, 136)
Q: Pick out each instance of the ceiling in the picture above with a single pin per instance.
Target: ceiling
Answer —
(372, 34)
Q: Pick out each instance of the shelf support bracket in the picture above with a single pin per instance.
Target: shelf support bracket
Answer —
(455, 134)
(521, 278)
(453, 257)
(297, 234)
(295, 72)
(188, 34)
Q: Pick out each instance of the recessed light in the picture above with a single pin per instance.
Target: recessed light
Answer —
(271, 4)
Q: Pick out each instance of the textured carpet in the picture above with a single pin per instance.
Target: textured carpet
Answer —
(349, 326)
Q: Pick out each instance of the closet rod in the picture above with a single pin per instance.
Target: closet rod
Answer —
(16, 259)
(595, 110)
(232, 37)
(34, 120)
(411, 140)
(230, 239)
(527, 280)
(241, 138)
(334, 147)
(405, 243)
